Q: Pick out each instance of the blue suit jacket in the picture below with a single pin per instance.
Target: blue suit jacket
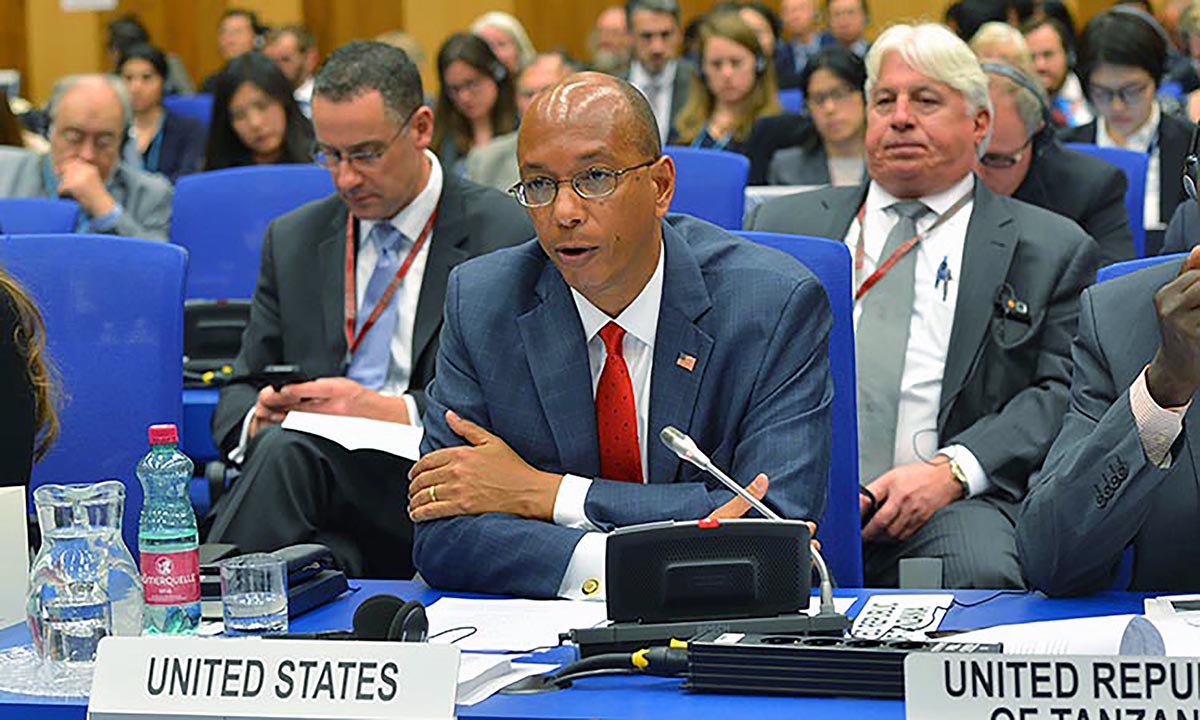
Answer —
(513, 358)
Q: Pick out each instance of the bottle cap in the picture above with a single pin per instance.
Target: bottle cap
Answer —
(163, 434)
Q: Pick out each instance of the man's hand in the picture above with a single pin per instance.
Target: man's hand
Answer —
(332, 396)
(81, 181)
(1174, 373)
(908, 496)
(484, 476)
(737, 507)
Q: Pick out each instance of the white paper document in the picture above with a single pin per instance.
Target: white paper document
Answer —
(509, 625)
(1107, 635)
(356, 433)
(481, 676)
(14, 556)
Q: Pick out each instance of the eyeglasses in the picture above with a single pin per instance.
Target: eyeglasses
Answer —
(593, 183)
(836, 95)
(1000, 161)
(103, 142)
(468, 87)
(1130, 94)
(331, 158)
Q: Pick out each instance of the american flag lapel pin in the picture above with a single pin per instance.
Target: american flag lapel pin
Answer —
(686, 361)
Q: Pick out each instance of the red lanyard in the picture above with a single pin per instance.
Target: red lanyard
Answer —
(352, 340)
(901, 251)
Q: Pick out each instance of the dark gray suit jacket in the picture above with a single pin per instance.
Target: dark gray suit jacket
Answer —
(1098, 492)
(799, 166)
(1084, 188)
(680, 86)
(297, 314)
(1183, 232)
(146, 198)
(1005, 384)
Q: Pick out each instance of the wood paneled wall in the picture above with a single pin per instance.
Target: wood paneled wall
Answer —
(44, 42)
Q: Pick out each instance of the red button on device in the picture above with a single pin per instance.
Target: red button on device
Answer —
(708, 523)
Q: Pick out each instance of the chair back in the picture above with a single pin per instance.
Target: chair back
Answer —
(220, 218)
(1134, 165)
(113, 309)
(710, 184)
(198, 107)
(29, 216)
(792, 100)
(1117, 269)
(840, 529)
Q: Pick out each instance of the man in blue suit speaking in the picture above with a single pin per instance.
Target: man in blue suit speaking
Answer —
(561, 360)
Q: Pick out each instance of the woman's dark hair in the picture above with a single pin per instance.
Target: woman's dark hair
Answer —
(967, 16)
(1121, 37)
(125, 32)
(149, 53)
(447, 120)
(225, 148)
(29, 338)
(846, 65)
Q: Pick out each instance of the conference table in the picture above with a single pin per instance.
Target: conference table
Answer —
(625, 696)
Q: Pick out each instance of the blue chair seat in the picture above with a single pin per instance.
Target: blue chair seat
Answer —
(198, 107)
(710, 184)
(22, 216)
(1134, 165)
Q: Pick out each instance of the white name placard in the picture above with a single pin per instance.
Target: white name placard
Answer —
(190, 677)
(1012, 687)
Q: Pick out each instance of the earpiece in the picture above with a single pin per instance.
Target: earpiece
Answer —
(499, 72)
(387, 617)
(409, 624)
(1191, 165)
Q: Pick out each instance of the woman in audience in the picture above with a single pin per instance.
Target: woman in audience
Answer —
(507, 38)
(476, 103)
(1122, 54)
(734, 88)
(255, 119)
(160, 141)
(26, 390)
(833, 84)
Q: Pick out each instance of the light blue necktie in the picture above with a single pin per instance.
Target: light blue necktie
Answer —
(370, 362)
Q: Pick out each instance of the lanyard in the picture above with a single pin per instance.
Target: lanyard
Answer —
(900, 252)
(352, 340)
(715, 143)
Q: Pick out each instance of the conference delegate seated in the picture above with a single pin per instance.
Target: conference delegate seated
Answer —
(476, 102)
(563, 358)
(734, 88)
(833, 155)
(88, 118)
(160, 141)
(255, 119)
(1123, 470)
(1183, 232)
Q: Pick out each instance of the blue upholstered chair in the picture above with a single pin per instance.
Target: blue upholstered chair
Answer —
(38, 216)
(1134, 165)
(198, 107)
(840, 530)
(113, 309)
(710, 184)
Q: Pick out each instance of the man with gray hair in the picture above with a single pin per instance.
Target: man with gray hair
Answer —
(966, 304)
(351, 291)
(1024, 160)
(89, 117)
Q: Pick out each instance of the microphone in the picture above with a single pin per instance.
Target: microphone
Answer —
(686, 449)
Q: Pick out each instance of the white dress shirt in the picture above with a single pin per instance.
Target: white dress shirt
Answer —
(409, 221)
(640, 321)
(931, 323)
(1158, 427)
(303, 96)
(1145, 140)
(660, 103)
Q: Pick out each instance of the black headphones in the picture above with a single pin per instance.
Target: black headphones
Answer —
(1191, 166)
(387, 617)
(1046, 132)
(1145, 17)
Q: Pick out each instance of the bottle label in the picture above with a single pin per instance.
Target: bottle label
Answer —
(171, 578)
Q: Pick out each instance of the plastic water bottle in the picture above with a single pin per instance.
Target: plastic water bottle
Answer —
(167, 538)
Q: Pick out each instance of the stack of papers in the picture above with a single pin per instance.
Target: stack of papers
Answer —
(509, 625)
(480, 676)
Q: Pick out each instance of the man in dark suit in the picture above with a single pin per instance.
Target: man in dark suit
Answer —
(1123, 470)
(1183, 232)
(657, 70)
(323, 303)
(561, 360)
(962, 343)
(1025, 161)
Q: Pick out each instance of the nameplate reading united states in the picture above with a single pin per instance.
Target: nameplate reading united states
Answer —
(1056, 687)
(253, 678)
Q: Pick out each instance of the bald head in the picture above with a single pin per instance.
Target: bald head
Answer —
(590, 95)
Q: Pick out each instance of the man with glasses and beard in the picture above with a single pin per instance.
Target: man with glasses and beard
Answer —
(351, 290)
(562, 359)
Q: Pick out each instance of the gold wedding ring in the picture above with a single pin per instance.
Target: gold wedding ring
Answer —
(432, 494)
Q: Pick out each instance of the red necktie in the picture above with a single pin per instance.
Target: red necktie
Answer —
(616, 415)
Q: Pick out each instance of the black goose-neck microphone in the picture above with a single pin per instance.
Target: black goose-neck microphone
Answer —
(686, 449)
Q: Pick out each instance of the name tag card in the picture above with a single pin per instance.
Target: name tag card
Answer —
(177, 677)
(1012, 687)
